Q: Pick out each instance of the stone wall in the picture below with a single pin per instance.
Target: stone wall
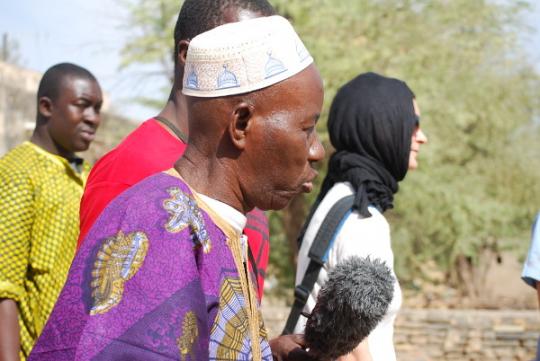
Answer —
(459, 335)
(451, 335)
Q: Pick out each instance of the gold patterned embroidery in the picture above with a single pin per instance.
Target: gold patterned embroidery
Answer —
(263, 332)
(118, 259)
(231, 328)
(184, 212)
(190, 332)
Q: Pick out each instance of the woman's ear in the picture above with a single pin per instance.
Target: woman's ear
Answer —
(45, 106)
(240, 124)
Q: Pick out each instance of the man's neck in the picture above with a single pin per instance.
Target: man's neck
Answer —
(175, 111)
(211, 177)
(42, 139)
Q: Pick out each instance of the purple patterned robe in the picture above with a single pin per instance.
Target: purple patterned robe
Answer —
(159, 277)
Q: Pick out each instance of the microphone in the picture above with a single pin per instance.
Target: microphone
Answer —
(349, 306)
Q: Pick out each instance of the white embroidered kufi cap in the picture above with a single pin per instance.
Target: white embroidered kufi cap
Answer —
(241, 57)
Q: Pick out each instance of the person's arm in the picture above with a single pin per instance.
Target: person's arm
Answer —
(9, 330)
(360, 353)
(16, 217)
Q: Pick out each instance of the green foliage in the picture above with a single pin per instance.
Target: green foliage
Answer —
(478, 182)
(9, 50)
(150, 25)
(477, 186)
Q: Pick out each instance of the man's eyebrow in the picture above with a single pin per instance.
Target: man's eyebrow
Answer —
(86, 96)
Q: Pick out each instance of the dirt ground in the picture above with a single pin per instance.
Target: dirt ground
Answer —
(503, 289)
(507, 290)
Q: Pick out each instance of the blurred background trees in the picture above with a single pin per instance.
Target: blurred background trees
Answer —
(150, 26)
(9, 50)
(478, 185)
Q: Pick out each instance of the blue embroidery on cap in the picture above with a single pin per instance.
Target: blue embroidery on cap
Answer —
(192, 81)
(274, 67)
(227, 79)
(302, 52)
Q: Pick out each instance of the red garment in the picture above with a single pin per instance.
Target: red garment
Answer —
(147, 150)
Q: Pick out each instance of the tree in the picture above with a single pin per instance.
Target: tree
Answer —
(150, 25)
(477, 187)
(476, 192)
(9, 50)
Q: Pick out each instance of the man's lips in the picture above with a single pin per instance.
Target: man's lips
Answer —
(308, 185)
(88, 135)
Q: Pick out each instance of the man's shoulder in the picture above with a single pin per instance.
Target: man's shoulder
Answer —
(146, 150)
(148, 135)
(19, 161)
(22, 151)
(130, 144)
(142, 202)
(156, 185)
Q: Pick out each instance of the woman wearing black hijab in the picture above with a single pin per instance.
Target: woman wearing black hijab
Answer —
(375, 130)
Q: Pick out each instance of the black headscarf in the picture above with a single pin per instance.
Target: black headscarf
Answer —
(371, 123)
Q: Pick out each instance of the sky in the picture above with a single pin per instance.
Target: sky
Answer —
(90, 33)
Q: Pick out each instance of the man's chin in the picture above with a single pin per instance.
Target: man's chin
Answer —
(81, 146)
(278, 202)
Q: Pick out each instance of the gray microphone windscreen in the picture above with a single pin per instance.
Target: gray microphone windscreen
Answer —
(352, 302)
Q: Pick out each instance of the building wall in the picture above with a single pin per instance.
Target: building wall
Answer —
(17, 104)
(18, 89)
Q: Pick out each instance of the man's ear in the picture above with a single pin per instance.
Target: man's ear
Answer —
(182, 52)
(45, 106)
(241, 123)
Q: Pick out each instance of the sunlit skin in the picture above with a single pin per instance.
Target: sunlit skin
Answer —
(418, 138)
(176, 108)
(9, 330)
(285, 145)
(68, 124)
(265, 149)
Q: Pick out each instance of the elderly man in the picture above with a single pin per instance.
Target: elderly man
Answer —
(41, 183)
(160, 141)
(162, 274)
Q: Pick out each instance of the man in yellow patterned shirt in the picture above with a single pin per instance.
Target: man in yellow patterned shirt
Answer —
(41, 183)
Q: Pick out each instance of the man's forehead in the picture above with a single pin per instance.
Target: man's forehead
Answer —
(78, 84)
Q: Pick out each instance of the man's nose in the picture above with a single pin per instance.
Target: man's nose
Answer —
(92, 116)
(316, 151)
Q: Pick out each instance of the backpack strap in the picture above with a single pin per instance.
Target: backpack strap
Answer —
(318, 254)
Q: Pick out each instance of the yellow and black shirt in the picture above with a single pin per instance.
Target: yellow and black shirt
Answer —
(39, 224)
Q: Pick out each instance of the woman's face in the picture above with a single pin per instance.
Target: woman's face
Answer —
(418, 138)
